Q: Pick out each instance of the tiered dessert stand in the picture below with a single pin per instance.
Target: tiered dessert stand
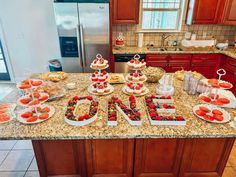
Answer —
(99, 78)
(35, 111)
(136, 79)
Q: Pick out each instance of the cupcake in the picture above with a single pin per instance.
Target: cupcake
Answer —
(94, 88)
(129, 90)
(94, 78)
(138, 90)
(131, 63)
(143, 64)
(136, 77)
(130, 76)
(141, 77)
(106, 88)
(101, 78)
(100, 89)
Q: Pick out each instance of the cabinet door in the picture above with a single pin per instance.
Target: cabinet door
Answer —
(206, 64)
(125, 12)
(229, 17)
(206, 12)
(109, 158)
(179, 62)
(205, 157)
(158, 61)
(158, 157)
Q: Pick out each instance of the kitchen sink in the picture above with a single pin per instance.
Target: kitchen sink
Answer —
(164, 49)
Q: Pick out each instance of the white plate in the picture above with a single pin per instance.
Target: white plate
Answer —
(211, 107)
(126, 78)
(22, 120)
(105, 93)
(221, 81)
(122, 79)
(143, 93)
(27, 96)
(99, 68)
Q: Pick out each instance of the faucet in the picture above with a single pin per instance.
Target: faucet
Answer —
(163, 38)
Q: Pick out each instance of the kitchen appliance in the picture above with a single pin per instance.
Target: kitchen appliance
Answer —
(121, 62)
(83, 30)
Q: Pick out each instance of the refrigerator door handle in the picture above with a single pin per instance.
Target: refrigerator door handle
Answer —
(82, 45)
(79, 45)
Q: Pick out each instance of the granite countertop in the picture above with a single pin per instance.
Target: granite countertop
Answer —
(56, 128)
(231, 51)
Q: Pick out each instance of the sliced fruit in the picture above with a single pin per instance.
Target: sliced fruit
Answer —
(224, 100)
(43, 98)
(44, 116)
(200, 112)
(3, 110)
(218, 117)
(204, 109)
(26, 114)
(4, 106)
(214, 96)
(216, 111)
(225, 85)
(213, 81)
(31, 119)
(4, 117)
(45, 109)
(205, 98)
(34, 102)
(215, 85)
(36, 83)
(207, 117)
(24, 100)
(24, 86)
(217, 102)
(36, 94)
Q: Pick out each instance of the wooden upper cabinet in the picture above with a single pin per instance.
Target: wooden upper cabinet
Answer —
(125, 11)
(206, 12)
(229, 14)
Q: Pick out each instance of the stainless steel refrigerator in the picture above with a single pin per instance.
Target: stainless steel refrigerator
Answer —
(83, 31)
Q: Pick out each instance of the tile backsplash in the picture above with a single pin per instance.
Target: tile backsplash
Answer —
(220, 32)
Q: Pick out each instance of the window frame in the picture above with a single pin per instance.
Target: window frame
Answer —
(179, 17)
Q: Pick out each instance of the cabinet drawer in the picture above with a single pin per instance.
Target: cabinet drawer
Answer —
(229, 64)
(157, 58)
(205, 60)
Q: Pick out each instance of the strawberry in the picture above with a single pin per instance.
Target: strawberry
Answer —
(122, 106)
(26, 114)
(36, 83)
(112, 119)
(132, 117)
(152, 106)
(216, 111)
(200, 113)
(131, 97)
(180, 118)
(31, 119)
(168, 97)
(142, 61)
(152, 114)
(224, 100)
(113, 113)
(215, 86)
(43, 98)
(213, 81)
(138, 114)
(135, 74)
(34, 102)
(207, 117)
(137, 61)
(45, 109)
(76, 98)
(131, 61)
(152, 110)
(225, 85)
(172, 107)
(218, 117)
(70, 108)
(217, 102)
(148, 100)
(36, 94)
(214, 96)
(158, 118)
(44, 116)
(86, 116)
(118, 101)
(169, 117)
(81, 118)
(204, 109)
(24, 86)
(69, 115)
(24, 100)
(205, 98)
(165, 106)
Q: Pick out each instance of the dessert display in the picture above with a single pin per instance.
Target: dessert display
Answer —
(162, 114)
(7, 112)
(99, 63)
(73, 114)
(120, 41)
(116, 79)
(216, 83)
(112, 113)
(99, 79)
(38, 115)
(54, 76)
(153, 74)
(135, 80)
(29, 83)
(211, 113)
(132, 116)
(33, 100)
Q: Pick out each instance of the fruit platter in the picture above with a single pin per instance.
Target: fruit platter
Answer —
(221, 99)
(33, 116)
(216, 83)
(112, 113)
(132, 116)
(7, 112)
(161, 99)
(211, 113)
(29, 83)
(33, 99)
(165, 108)
(73, 114)
(158, 118)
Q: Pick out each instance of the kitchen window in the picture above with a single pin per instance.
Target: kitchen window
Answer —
(162, 15)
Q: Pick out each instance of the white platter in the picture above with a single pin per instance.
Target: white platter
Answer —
(112, 123)
(221, 81)
(22, 120)
(141, 94)
(210, 107)
(19, 83)
(105, 93)
(99, 68)
(126, 78)
(80, 123)
(27, 96)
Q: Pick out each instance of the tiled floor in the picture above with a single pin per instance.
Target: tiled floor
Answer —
(17, 160)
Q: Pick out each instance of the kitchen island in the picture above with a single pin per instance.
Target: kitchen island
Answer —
(196, 150)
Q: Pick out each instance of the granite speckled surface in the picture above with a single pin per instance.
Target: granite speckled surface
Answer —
(56, 128)
(231, 51)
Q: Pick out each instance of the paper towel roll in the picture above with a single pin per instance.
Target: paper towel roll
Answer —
(140, 40)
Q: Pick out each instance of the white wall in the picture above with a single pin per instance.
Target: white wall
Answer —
(30, 34)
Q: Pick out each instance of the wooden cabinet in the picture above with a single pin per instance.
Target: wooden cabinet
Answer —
(110, 158)
(125, 12)
(157, 61)
(229, 64)
(229, 13)
(206, 12)
(206, 64)
(201, 158)
(157, 157)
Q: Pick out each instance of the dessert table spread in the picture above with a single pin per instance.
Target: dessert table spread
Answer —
(99, 149)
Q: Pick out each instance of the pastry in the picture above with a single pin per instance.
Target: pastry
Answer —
(99, 62)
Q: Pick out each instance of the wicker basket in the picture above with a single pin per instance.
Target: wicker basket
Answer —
(153, 74)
